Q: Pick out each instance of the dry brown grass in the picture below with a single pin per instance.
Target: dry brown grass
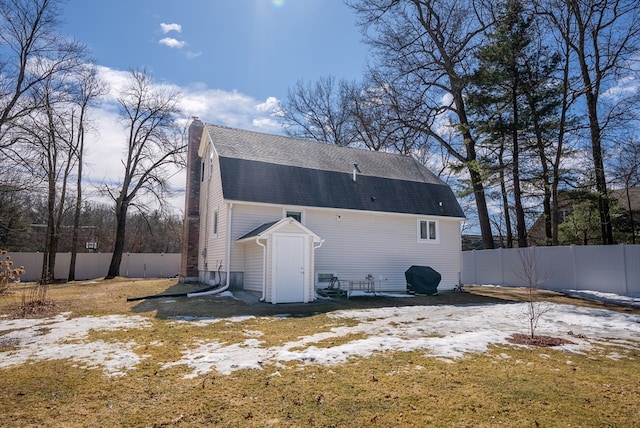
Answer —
(508, 386)
(519, 294)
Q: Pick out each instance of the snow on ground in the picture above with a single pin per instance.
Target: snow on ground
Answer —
(61, 337)
(632, 300)
(445, 332)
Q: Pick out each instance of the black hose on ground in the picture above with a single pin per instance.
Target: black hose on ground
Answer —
(159, 296)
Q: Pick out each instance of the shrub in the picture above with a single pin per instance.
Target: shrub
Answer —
(8, 274)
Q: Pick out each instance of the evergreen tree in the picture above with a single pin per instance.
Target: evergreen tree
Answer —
(513, 101)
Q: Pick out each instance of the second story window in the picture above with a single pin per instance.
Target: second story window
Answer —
(294, 214)
(427, 230)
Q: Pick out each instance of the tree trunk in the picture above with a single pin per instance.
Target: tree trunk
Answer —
(471, 158)
(483, 212)
(632, 226)
(76, 225)
(118, 246)
(606, 228)
(521, 228)
(78, 207)
(505, 199)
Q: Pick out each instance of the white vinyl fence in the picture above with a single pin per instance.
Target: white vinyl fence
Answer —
(95, 265)
(605, 268)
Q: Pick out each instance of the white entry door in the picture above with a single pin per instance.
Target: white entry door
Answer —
(288, 262)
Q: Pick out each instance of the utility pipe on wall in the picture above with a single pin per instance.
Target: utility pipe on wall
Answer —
(229, 218)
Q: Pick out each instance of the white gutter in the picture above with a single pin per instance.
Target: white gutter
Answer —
(264, 269)
(229, 218)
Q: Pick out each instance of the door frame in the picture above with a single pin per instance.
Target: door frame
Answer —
(304, 286)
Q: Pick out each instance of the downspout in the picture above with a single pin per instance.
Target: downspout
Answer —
(264, 269)
(314, 262)
(229, 218)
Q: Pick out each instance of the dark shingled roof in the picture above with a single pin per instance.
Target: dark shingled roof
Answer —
(257, 167)
(258, 230)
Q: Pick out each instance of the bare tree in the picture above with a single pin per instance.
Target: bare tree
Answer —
(89, 89)
(320, 111)
(377, 121)
(425, 49)
(627, 173)
(50, 136)
(533, 275)
(154, 143)
(31, 52)
(604, 39)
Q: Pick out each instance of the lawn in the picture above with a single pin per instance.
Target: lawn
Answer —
(94, 359)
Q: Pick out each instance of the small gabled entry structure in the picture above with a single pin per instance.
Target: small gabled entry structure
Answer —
(286, 265)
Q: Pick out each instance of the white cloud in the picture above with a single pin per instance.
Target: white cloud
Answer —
(269, 105)
(191, 54)
(106, 145)
(165, 28)
(172, 43)
(625, 86)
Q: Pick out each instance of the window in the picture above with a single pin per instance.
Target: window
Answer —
(294, 214)
(323, 279)
(214, 223)
(202, 171)
(211, 163)
(427, 230)
(563, 214)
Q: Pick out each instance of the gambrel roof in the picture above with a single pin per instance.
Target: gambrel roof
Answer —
(264, 168)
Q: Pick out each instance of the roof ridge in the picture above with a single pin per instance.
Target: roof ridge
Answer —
(310, 141)
(293, 151)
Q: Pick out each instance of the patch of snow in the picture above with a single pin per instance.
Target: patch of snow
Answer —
(360, 293)
(444, 332)
(626, 300)
(61, 337)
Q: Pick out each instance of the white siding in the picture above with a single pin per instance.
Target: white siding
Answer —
(253, 271)
(361, 243)
(211, 200)
(245, 219)
(383, 245)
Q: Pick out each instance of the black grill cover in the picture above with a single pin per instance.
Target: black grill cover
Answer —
(422, 280)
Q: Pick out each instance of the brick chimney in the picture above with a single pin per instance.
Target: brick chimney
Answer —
(191, 225)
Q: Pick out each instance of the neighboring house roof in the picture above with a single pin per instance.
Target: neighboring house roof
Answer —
(566, 203)
(257, 167)
(634, 198)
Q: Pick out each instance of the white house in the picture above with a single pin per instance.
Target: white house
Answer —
(280, 216)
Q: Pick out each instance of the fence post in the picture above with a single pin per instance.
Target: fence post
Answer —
(625, 277)
(573, 266)
(501, 257)
(475, 270)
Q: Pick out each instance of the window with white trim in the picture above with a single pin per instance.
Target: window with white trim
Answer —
(427, 231)
(294, 214)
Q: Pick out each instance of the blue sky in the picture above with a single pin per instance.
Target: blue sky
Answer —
(233, 60)
(256, 47)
